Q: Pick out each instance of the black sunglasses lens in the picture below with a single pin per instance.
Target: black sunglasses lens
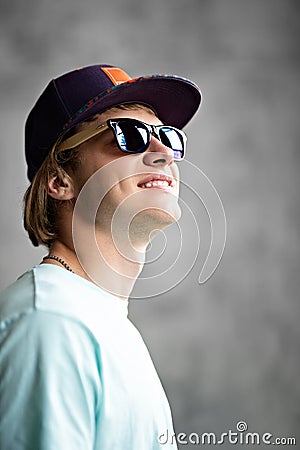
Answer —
(171, 138)
(132, 136)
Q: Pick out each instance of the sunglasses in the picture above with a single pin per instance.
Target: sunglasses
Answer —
(133, 136)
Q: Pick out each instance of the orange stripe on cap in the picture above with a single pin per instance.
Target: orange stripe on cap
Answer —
(116, 75)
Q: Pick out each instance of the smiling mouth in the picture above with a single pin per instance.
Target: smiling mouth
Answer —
(158, 182)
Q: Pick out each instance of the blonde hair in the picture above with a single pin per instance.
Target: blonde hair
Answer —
(40, 209)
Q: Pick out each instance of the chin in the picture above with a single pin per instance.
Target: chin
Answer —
(157, 218)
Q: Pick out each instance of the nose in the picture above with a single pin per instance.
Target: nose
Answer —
(157, 154)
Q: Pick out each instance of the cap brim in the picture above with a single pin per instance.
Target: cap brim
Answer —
(174, 99)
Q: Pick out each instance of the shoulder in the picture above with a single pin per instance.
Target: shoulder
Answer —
(41, 314)
(54, 291)
(46, 334)
(45, 293)
(18, 298)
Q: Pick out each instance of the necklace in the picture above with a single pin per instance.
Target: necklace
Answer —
(60, 261)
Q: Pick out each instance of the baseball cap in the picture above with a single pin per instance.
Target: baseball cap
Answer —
(77, 95)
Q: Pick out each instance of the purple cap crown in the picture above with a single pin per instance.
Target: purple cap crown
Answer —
(77, 95)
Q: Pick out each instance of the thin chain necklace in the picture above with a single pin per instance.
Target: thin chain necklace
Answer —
(60, 261)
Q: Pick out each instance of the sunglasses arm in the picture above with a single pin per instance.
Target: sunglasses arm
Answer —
(81, 137)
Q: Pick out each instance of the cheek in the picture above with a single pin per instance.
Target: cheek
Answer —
(120, 191)
(88, 165)
(113, 177)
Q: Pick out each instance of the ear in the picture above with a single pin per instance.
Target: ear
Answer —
(60, 188)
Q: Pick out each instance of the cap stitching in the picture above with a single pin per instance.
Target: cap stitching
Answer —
(61, 99)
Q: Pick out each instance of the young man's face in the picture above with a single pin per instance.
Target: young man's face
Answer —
(127, 184)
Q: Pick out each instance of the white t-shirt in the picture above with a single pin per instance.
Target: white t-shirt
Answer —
(75, 373)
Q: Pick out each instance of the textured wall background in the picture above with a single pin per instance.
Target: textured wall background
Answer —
(227, 350)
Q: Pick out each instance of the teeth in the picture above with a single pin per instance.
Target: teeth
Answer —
(156, 183)
(159, 182)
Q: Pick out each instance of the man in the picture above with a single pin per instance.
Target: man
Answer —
(101, 150)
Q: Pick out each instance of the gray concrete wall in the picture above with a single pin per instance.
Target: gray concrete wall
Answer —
(227, 350)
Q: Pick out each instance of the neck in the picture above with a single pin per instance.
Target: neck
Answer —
(112, 264)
